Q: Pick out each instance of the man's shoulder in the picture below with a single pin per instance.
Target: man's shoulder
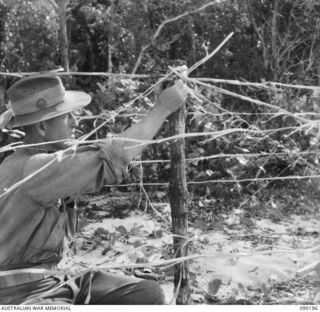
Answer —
(19, 158)
(16, 156)
(12, 166)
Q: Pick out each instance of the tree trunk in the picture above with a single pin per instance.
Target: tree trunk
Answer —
(110, 36)
(2, 94)
(274, 36)
(178, 196)
(62, 4)
(259, 33)
(110, 49)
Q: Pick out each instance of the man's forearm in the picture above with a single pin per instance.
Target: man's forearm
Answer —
(146, 129)
(170, 100)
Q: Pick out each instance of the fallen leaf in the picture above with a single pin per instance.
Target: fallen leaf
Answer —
(138, 243)
(157, 233)
(122, 230)
(101, 231)
(136, 229)
(214, 286)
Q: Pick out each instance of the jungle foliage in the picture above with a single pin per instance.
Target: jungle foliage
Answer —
(273, 41)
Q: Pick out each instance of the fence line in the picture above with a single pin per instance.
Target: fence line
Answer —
(93, 74)
(213, 135)
(222, 155)
(165, 184)
(106, 115)
(242, 97)
(266, 84)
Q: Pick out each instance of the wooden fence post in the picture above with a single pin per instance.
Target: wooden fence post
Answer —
(178, 196)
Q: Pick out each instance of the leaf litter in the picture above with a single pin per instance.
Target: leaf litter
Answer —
(247, 259)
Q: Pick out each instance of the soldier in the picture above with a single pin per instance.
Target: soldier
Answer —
(37, 183)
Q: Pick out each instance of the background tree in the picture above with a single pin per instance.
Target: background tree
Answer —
(287, 35)
(30, 37)
(273, 40)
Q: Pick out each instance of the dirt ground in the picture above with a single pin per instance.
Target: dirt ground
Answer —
(242, 258)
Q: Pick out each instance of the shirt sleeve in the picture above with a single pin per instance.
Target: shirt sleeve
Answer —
(72, 172)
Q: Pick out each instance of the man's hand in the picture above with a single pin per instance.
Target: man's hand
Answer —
(168, 101)
(173, 98)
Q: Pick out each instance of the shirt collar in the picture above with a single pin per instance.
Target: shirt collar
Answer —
(32, 150)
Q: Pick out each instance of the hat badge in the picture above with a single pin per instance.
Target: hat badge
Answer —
(42, 103)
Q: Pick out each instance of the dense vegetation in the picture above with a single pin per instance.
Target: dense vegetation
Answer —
(273, 41)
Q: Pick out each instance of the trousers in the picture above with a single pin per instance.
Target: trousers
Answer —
(91, 288)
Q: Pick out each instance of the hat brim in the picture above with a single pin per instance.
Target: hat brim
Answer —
(73, 100)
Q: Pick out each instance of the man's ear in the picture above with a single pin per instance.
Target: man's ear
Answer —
(41, 128)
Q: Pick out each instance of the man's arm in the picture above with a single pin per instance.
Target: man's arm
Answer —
(169, 101)
(90, 167)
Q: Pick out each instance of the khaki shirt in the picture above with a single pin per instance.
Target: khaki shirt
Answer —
(35, 218)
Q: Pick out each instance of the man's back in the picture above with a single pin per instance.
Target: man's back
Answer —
(34, 218)
(29, 233)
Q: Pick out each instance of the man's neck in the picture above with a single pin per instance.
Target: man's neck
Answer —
(40, 144)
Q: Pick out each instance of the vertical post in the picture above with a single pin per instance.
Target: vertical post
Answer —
(178, 196)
